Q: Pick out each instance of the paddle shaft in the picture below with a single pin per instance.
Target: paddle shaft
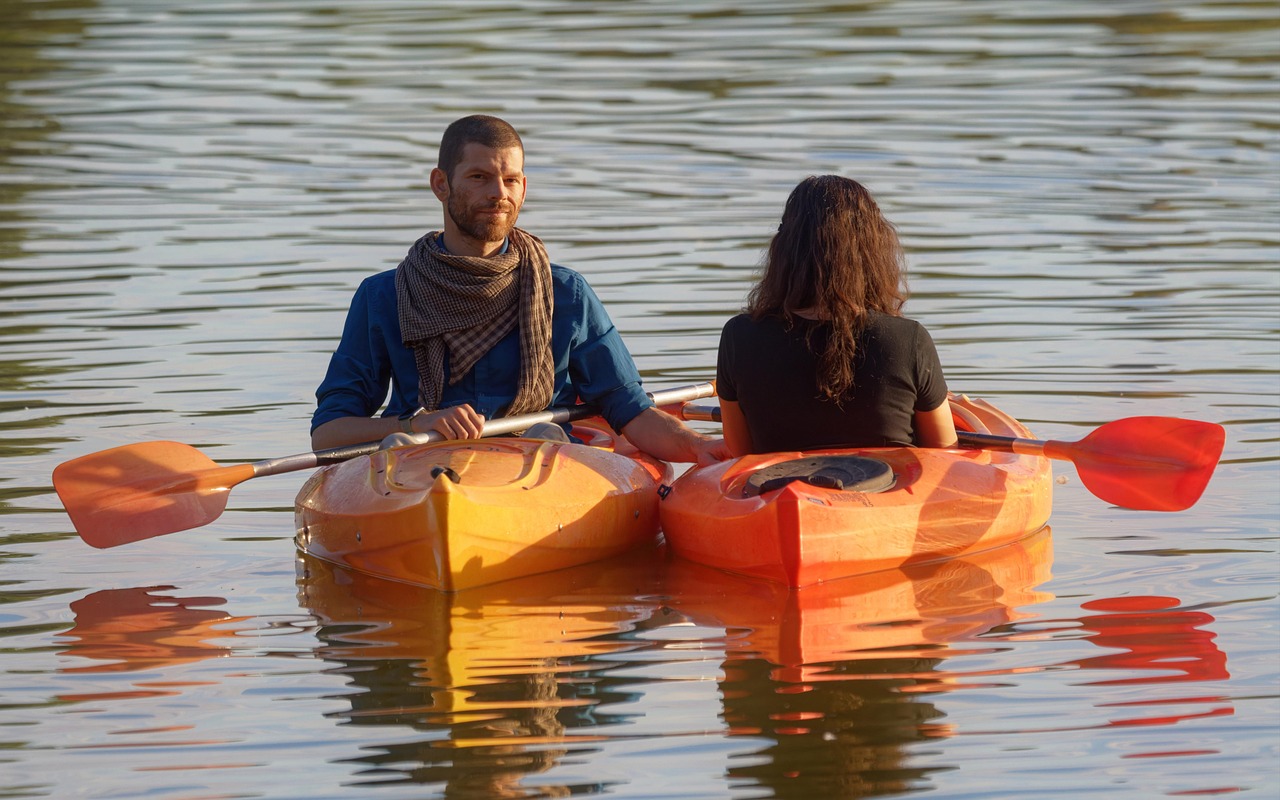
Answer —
(981, 441)
(700, 413)
(148, 489)
(493, 427)
(1006, 444)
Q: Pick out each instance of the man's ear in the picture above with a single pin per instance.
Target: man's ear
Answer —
(440, 184)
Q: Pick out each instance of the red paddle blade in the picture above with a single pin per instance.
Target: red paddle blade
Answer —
(143, 490)
(1146, 463)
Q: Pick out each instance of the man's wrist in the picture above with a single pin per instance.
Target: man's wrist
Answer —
(406, 419)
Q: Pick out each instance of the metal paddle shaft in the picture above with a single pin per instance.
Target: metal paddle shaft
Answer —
(1143, 463)
(558, 415)
(149, 489)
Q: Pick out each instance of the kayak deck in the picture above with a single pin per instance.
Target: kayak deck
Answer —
(941, 504)
(459, 514)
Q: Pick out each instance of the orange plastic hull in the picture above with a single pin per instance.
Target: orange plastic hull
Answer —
(944, 504)
(519, 507)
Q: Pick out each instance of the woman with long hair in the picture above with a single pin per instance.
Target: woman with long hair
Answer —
(822, 356)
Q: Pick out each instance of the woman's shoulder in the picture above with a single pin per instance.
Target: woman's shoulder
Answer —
(744, 324)
(893, 323)
(745, 321)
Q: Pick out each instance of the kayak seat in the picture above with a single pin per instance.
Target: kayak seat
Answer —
(841, 473)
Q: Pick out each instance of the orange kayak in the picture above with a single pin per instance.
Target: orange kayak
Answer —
(804, 518)
(458, 514)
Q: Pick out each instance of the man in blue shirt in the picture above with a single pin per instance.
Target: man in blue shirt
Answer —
(477, 322)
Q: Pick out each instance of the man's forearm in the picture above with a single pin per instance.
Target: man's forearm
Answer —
(353, 430)
(664, 437)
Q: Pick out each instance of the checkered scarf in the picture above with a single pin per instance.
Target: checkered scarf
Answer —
(464, 305)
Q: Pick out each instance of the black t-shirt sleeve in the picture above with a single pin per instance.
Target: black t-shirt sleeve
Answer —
(931, 386)
(726, 384)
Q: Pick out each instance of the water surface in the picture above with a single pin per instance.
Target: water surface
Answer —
(1089, 194)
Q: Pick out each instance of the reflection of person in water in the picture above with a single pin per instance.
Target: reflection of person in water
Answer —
(484, 739)
(840, 679)
(840, 709)
(843, 736)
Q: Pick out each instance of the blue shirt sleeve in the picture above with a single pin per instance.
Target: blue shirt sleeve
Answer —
(368, 360)
(600, 367)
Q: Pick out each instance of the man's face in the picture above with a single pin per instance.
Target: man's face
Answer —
(483, 196)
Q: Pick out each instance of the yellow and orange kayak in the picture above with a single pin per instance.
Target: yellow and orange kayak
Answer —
(805, 518)
(459, 514)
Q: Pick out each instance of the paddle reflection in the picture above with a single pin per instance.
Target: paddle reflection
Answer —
(142, 629)
(837, 678)
(1151, 642)
(1152, 634)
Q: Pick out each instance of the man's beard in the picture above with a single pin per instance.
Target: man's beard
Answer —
(482, 229)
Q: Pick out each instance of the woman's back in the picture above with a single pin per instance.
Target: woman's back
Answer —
(862, 376)
(771, 371)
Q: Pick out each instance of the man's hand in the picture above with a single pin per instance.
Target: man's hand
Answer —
(711, 451)
(454, 422)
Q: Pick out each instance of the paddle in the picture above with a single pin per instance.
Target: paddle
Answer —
(138, 491)
(1143, 463)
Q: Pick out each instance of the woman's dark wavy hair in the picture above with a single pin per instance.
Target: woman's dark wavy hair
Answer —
(834, 254)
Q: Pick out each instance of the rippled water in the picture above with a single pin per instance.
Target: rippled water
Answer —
(1090, 196)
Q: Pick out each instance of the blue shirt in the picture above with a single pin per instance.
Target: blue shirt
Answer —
(591, 362)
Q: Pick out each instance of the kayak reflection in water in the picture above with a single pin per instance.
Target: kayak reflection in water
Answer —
(832, 686)
(837, 681)
(476, 322)
(482, 691)
(822, 356)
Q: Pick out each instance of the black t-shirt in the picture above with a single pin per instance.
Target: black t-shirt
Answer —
(770, 371)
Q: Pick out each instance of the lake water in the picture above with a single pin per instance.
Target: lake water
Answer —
(1090, 196)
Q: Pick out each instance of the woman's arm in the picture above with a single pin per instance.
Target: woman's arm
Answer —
(936, 428)
(734, 427)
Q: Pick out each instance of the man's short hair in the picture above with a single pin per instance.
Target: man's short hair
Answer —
(478, 129)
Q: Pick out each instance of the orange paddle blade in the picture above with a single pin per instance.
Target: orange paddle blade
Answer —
(1147, 463)
(138, 491)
